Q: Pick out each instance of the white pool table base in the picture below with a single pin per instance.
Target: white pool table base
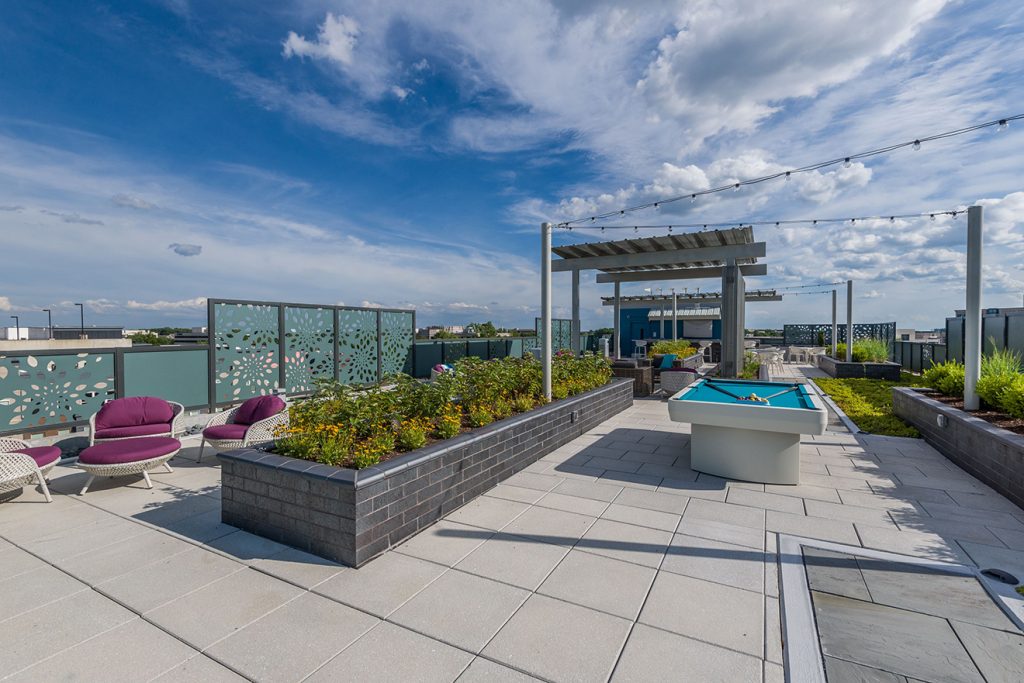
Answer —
(745, 454)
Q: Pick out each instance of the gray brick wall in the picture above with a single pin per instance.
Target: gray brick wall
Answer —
(993, 455)
(351, 516)
(842, 369)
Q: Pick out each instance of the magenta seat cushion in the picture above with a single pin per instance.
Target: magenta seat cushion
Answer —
(134, 410)
(43, 455)
(235, 432)
(129, 450)
(258, 408)
(134, 430)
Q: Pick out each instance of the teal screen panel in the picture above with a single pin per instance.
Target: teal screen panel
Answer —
(53, 390)
(309, 347)
(357, 346)
(396, 338)
(178, 375)
(246, 351)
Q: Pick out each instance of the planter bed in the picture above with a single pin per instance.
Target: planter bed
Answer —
(843, 370)
(992, 454)
(351, 516)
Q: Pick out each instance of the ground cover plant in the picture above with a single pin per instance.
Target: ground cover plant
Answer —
(865, 351)
(868, 402)
(358, 427)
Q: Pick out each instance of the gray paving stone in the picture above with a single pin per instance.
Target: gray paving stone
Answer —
(707, 611)
(812, 527)
(902, 642)
(201, 528)
(652, 500)
(583, 506)
(626, 542)
(219, 609)
(836, 573)
(299, 567)
(84, 662)
(120, 558)
(740, 515)
(603, 491)
(655, 655)
(550, 526)
(16, 561)
(767, 501)
(383, 585)
(827, 494)
(34, 588)
(529, 480)
(246, 547)
(517, 560)
(558, 641)
(485, 671)
(913, 543)
(67, 542)
(294, 641)
(445, 542)
(722, 531)
(840, 671)
(601, 583)
(702, 558)
(849, 513)
(483, 607)
(199, 669)
(391, 653)
(666, 521)
(168, 579)
(35, 635)
(488, 513)
(942, 595)
(999, 654)
(959, 513)
(517, 493)
(772, 629)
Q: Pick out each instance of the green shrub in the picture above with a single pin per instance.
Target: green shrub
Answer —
(681, 348)
(751, 365)
(1013, 397)
(946, 377)
(998, 371)
(871, 351)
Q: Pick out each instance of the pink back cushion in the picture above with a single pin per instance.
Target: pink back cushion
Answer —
(258, 408)
(135, 410)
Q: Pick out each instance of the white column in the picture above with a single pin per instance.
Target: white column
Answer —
(972, 322)
(835, 327)
(849, 321)
(661, 320)
(617, 349)
(545, 305)
(575, 334)
(675, 315)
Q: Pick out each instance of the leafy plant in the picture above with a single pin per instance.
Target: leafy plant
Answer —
(1013, 397)
(865, 351)
(751, 365)
(681, 347)
(998, 371)
(946, 377)
(868, 402)
(412, 433)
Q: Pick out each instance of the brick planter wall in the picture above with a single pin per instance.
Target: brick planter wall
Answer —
(842, 369)
(992, 454)
(351, 516)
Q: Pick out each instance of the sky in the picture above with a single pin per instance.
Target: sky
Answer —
(155, 153)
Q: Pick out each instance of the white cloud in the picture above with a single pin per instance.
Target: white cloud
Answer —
(400, 92)
(335, 41)
(12, 208)
(185, 249)
(132, 202)
(5, 304)
(184, 304)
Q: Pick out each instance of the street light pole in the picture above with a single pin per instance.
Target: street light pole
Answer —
(81, 311)
(17, 328)
(49, 323)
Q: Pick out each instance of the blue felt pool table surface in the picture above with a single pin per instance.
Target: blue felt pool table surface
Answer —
(719, 390)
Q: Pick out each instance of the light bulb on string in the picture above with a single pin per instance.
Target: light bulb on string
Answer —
(917, 145)
(736, 187)
(788, 176)
(846, 162)
(1003, 125)
(693, 198)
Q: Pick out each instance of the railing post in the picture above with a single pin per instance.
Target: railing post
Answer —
(545, 304)
(282, 379)
(380, 346)
(972, 313)
(211, 370)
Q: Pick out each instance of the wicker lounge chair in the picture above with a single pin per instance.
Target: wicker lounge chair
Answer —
(255, 421)
(20, 464)
(134, 417)
(127, 456)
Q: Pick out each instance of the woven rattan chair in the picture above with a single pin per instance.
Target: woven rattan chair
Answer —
(127, 418)
(231, 429)
(18, 468)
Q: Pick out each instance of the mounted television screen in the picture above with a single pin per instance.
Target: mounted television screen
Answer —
(697, 329)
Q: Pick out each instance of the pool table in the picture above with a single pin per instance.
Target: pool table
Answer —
(748, 430)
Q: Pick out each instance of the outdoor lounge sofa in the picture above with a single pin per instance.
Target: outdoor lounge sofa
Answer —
(133, 417)
(20, 464)
(127, 456)
(254, 421)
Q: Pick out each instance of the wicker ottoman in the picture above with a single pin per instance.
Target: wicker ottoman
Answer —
(125, 457)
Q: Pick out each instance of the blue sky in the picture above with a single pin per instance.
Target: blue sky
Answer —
(156, 153)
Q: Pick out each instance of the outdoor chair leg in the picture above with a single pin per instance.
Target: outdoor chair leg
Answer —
(88, 483)
(145, 475)
(168, 466)
(44, 487)
(201, 447)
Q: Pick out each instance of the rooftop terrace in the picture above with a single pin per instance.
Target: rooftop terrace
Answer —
(608, 559)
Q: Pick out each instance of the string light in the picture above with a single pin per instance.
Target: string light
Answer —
(777, 223)
(817, 284)
(846, 162)
(1000, 124)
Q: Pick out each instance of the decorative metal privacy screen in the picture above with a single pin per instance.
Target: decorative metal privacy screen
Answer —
(47, 389)
(561, 333)
(821, 334)
(260, 347)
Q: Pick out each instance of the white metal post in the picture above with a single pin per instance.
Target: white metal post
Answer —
(575, 333)
(849, 321)
(835, 327)
(662, 320)
(615, 324)
(675, 315)
(972, 322)
(545, 304)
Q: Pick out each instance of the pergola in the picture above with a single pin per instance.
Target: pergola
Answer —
(730, 254)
